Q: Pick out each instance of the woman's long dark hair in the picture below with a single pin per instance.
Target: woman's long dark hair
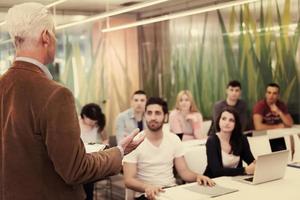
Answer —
(236, 135)
(94, 112)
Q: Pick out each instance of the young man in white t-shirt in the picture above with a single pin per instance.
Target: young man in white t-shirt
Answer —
(149, 168)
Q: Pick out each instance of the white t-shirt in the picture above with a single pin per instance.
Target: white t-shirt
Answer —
(155, 164)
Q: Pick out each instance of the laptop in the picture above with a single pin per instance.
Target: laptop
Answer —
(268, 167)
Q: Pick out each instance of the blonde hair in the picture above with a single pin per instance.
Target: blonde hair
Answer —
(193, 107)
(25, 22)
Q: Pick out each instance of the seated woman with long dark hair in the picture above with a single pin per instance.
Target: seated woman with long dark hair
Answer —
(228, 148)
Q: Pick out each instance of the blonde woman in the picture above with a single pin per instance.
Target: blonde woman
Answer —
(185, 120)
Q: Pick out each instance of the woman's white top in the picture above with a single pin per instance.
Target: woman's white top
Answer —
(89, 134)
(230, 160)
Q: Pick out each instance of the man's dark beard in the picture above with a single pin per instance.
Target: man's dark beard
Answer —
(155, 129)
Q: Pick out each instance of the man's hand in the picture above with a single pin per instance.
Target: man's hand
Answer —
(151, 191)
(129, 143)
(204, 180)
(275, 109)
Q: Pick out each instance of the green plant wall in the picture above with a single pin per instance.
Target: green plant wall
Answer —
(255, 43)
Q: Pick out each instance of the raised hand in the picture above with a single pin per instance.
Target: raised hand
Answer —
(129, 143)
(275, 109)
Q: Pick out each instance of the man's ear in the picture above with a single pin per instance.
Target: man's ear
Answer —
(166, 118)
(45, 38)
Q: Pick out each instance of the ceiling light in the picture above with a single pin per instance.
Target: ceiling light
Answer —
(113, 13)
(55, 3)
(179, 14)
(48, 6)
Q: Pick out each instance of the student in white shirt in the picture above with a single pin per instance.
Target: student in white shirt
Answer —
(149, 168)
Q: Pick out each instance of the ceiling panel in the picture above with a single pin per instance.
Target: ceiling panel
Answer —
(72, 7)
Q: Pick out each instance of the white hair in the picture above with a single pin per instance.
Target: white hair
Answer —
(25, 23)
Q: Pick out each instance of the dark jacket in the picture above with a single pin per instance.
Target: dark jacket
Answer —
(214, 158)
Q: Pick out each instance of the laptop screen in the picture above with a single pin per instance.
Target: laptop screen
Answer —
(278, 144)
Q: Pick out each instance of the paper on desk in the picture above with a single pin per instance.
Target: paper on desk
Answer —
(179, 193)
(214, 191)
(89, 148)
(195, 192)
(294, 164)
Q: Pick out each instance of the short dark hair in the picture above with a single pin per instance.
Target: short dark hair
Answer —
(159, 101)
(236, 135)
(139, 92)
(273, 85)
(234, 83)
(94, 112)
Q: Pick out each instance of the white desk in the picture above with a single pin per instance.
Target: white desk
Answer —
(281, 132)
(286, 188)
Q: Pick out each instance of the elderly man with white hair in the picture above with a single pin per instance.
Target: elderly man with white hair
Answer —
(41, 154)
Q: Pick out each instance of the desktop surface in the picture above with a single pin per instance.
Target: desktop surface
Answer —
(286, 188)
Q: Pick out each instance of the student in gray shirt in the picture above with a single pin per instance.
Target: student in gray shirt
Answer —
(133, 117)
(233, 92)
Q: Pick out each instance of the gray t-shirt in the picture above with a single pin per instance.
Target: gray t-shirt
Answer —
(240, 107)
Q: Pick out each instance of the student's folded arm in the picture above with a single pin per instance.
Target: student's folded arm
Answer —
(287, 119)
(197, 127)
(259, 125)
(174, 122)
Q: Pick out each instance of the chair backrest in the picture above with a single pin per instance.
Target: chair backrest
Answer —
(112, 140)
(259, 145)
(206, 126)
(166, 128)
(288, 144)
(196, 159)
(129, 194)
(296, 143)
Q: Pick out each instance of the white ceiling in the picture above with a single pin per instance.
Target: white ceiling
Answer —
(76, 5)
(75, 10)
(91, 7)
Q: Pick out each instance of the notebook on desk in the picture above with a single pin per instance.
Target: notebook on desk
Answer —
(214, 191)
(294, 164)
(268, 167)
(195, 192)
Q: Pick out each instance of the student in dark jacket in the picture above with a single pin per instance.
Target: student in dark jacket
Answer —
(228, 148)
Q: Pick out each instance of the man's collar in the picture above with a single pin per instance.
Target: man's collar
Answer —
(37, 63)
(226, 100)
(130, 113)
